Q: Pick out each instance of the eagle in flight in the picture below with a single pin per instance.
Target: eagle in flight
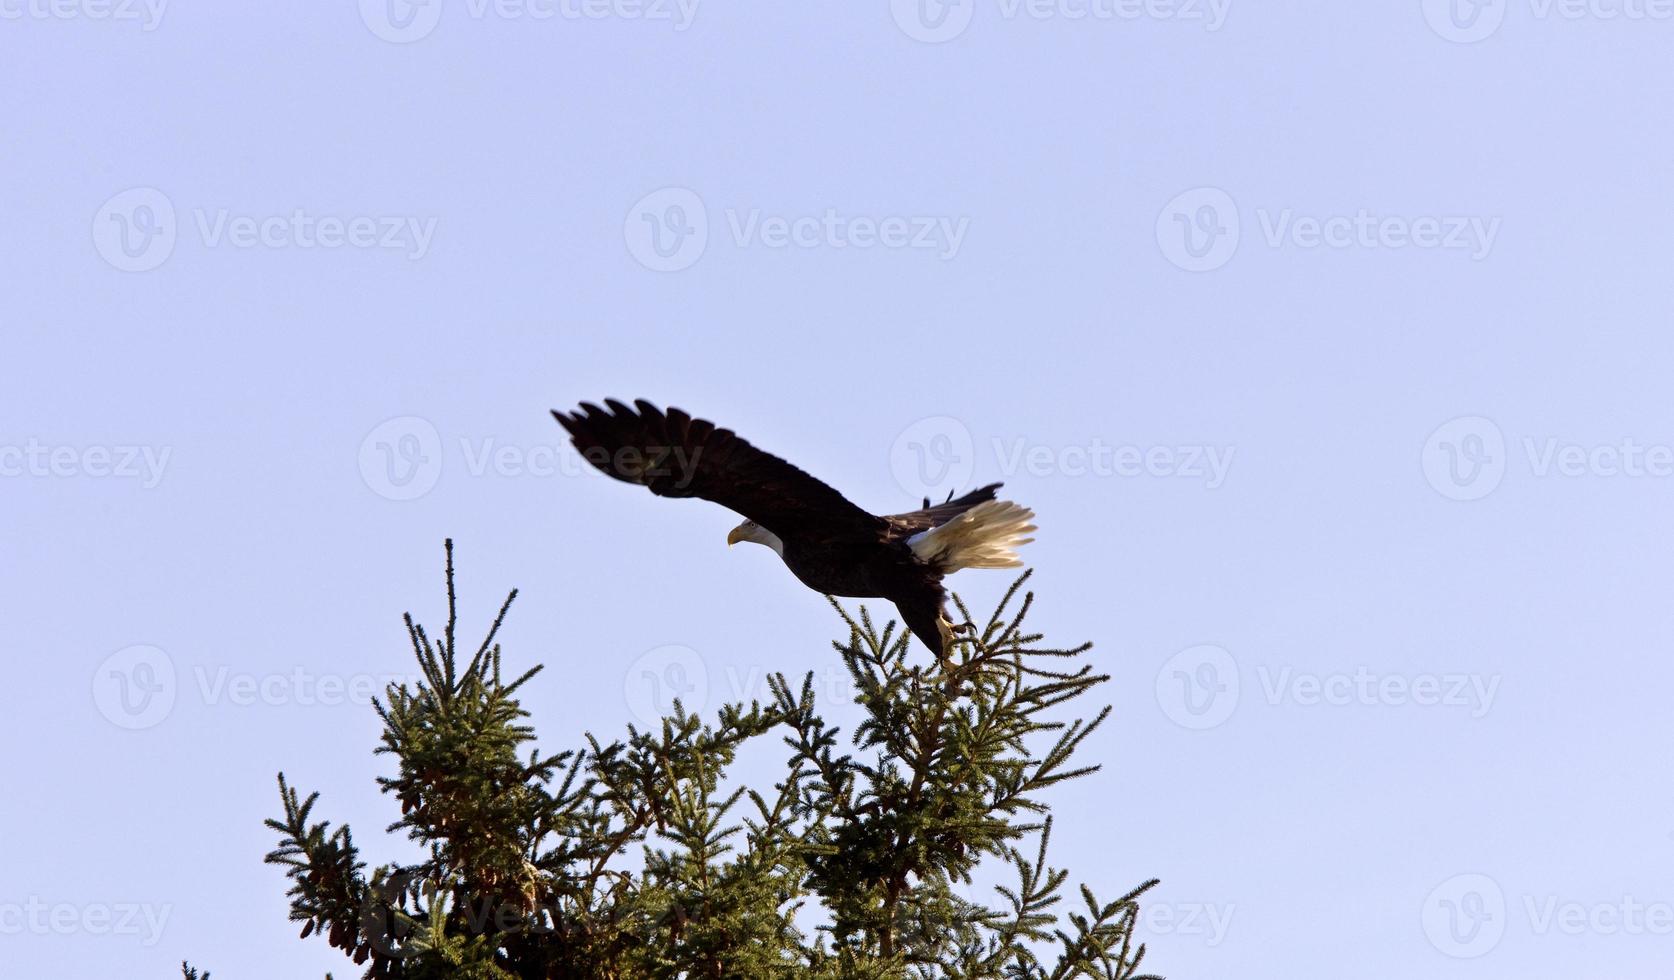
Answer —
(831, 545)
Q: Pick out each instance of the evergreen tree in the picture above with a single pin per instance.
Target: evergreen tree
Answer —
(629, 859)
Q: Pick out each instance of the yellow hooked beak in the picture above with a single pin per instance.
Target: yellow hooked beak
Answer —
(736, 535)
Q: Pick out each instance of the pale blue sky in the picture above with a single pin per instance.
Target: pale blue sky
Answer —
(1331, 350)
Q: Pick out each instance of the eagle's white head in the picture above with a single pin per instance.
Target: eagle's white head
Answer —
(755, 533)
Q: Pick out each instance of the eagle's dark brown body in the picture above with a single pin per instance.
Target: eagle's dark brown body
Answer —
(829, 544)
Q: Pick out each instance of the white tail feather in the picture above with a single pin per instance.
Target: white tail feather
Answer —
(982, 537)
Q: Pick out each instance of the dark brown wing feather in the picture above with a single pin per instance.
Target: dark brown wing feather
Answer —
(925, 518)
(676, 455)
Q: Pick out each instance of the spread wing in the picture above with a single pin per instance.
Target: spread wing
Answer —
(928, 517)
(675, 455)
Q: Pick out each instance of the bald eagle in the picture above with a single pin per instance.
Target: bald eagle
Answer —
(828, 543)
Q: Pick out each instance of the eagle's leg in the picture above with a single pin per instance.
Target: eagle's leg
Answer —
(923, 616)
(949, 630)
(945, 629)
